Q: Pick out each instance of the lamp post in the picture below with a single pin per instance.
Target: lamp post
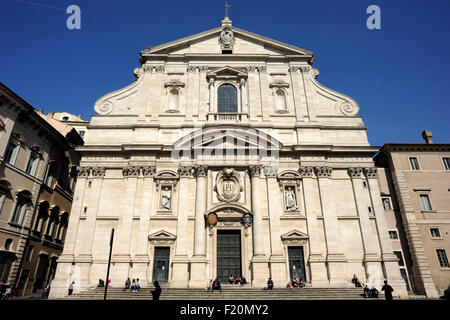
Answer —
(109, 262)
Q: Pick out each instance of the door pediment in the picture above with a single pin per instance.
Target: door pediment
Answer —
(294, 235)
(162, 235)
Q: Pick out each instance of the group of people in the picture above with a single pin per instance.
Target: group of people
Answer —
(296, 283)
(373, 292)
(239, 280)
(134, 285)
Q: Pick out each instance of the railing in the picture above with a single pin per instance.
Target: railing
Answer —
(226, 117)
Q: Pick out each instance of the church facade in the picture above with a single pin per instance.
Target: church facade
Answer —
(227, 156)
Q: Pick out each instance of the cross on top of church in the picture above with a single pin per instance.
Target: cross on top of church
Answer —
(226, 6)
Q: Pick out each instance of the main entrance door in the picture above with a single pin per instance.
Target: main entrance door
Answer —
(161, 264)
(296, 263)
(228, 254)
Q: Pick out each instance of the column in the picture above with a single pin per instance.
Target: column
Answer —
(335, 259)
(390, 261)
(198, 261)
(371, 259)
(277, 258)
(298, 93)
(85, 235)
(180, 261)
(121, 250)
(317, 256)
(62, 276)
(259, 260)
(141, 259)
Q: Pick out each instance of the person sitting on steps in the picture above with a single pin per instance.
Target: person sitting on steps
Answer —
(216, 285)
(231, 279)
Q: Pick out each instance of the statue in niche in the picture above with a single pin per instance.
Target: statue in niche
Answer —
(166, 197)
(290, 199)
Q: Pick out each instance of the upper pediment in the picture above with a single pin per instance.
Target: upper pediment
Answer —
(225, 38)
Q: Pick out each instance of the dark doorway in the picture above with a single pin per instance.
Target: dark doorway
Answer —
(228, 254)
(161, 264)
(41, 272)
(296, 263)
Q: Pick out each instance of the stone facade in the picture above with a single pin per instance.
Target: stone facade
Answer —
(171, 172)
(35, 192)
(422, 225)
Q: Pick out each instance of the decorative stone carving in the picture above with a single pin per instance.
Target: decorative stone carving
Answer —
(355, 172)
(98, 171)
(290, 199)
(105, 107)
(305, 69)
(254, 171)
(228, 185)
(174, 84)
(131, 171)
(153, 68)
(306, 171)
(201, 171)
(191, 69)
(166, 177)
(185, 171)
(252, 68)
(226, 39)
(138, 72)
(166, 198)
(293, 69)
(371, 172)
(262, 69)
(202, 68)
(347, 108)
(323, 172)
(83, 171)
(148, 171)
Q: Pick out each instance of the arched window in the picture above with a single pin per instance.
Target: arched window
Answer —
(280, 100)
(227, 99)
(174, 96)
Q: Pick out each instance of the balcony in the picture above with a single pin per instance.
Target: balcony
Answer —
(227, 117)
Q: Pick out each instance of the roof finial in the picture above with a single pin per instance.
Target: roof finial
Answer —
(226, 21)
(226, 6)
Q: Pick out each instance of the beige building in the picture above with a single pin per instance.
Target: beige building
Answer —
(227, 156)
(30, 145)
(415, 184)
(74, 121)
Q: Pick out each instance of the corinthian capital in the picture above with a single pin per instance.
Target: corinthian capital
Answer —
(83, 171)
(306, 171)
(355, 172)
(185, 171)
(371, 172)
(201, 171)
(148, 171)
(254, 171)
(270, 171)
(131, 171)
(323, 172)
(98, 171)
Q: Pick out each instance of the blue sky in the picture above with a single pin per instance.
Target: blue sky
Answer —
(399, 75)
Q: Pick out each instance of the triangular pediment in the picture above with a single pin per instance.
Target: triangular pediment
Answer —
(162, 235)
(246, 43)
(227, 71)
(294, 235)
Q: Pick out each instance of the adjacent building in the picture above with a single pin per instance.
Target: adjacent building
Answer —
(227, 156)
(36, 182)
(74, 121)
(415, 189)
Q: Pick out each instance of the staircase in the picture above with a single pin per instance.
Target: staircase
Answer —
(229, 292)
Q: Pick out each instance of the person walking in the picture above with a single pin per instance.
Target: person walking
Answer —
(71, 288)
(157, 292)
(387, 290)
